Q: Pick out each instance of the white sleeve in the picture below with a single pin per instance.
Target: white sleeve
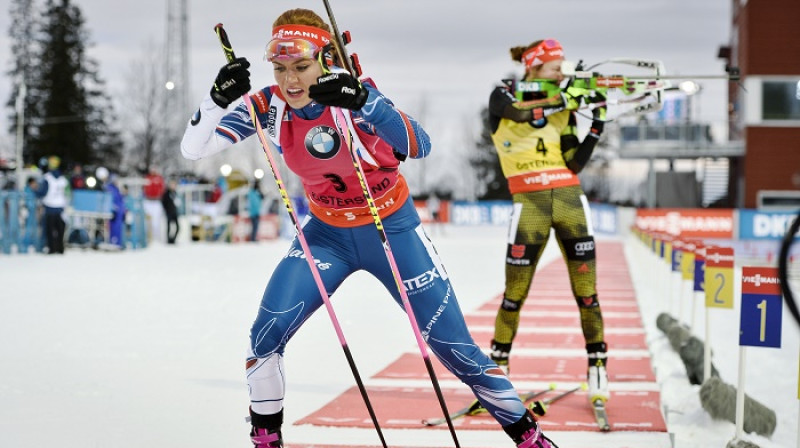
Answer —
(199, 139)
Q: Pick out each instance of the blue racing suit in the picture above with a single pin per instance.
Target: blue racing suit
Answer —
(292, 296)
(343, 239)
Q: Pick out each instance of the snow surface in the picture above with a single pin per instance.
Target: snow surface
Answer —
(146, 348)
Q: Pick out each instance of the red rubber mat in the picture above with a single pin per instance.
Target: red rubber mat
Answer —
(406, 407)
(567, 301)
(549, 322)
(570, 320)
(563, 340)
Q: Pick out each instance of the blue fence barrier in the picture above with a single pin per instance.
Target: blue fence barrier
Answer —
(19, 222)
(91, 201)
(89, 211)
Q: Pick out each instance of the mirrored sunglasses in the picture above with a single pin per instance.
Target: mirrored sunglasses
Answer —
(290, 49)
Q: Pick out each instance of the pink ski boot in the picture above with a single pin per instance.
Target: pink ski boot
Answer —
(266, 430)
(526, 433)
(535, 439)
(263, 439)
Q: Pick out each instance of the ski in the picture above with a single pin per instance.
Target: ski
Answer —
(476, 408)
(471, 409)
(540, 407)
(599, 407)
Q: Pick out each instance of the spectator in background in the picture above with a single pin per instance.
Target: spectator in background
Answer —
(220, 187)
(54, 191)
(153, 190)
(171, 210)
(434, 206)
(31, 185)
(216, 193)
(116, 227)
(41, 166)
(32, 221)
(255, 199)
(77, 181)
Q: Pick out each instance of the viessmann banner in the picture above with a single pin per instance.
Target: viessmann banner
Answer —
(688, 222)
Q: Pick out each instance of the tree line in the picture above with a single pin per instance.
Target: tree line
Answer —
(67, 110)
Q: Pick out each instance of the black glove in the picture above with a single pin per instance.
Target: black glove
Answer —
(232, 82)
(599, 112)
(340, 90)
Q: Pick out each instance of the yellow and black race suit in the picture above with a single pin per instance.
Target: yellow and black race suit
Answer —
(541, 156)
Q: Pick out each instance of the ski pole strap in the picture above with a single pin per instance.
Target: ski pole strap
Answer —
(355, 64)
(326, 61)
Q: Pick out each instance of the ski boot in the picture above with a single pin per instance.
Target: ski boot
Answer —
(526, 433)
(266, 430)
(499, 355)
(262, 438)
(597, 376)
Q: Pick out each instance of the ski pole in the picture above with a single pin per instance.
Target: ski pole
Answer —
(265, 144)
(345, 131)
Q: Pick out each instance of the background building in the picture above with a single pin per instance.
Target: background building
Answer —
(765, 109)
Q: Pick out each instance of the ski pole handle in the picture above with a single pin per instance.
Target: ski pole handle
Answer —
(223, 40)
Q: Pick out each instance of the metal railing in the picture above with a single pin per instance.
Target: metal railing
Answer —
(695, 134)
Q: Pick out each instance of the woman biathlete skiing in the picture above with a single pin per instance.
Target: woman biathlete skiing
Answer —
(540, 153)
(299, 114)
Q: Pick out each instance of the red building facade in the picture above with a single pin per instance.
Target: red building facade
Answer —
(765, 109)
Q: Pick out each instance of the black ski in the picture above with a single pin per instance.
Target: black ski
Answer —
(540, 407)
(599, 407)
(476, 408)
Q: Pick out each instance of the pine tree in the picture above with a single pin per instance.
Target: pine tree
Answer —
(75, 113)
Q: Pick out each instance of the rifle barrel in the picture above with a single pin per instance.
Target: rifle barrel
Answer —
(728, 77)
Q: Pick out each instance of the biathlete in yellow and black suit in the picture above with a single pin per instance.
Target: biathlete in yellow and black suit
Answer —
(541, 154)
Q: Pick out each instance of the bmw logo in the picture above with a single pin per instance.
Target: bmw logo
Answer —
(322, 142)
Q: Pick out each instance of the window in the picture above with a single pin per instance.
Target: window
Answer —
(780, 100)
